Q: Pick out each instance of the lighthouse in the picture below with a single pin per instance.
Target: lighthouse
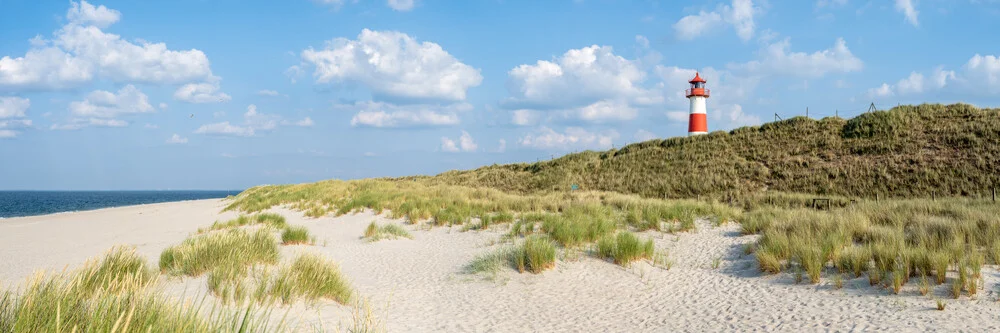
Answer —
(697, 94)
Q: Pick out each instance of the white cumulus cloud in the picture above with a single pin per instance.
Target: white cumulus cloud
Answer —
(730, 116)
(81, 51)
(401, 5)
(881, 91)
(909, 10)
(572, 138)
(387, 115)
(254, 122)
(693, 26)
(305, 122)
(599, 112)
(465, 144)
(13, 107)
(102, 108)
(78, 123)
(448, 145)
(644, 135)
(524, 117)
(577, 78)
(225, 128)
(983, 72)
(105, 104)
(201, 93)
(86, 14)
(393, 65)
(740, 15)
(177, 139)
(778, 59)
(980, 75)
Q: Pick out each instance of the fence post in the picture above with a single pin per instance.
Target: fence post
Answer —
(876, 197)
(994, 194)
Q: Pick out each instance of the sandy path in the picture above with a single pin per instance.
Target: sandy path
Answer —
(418, 285)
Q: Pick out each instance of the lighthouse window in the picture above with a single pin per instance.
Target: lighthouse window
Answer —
(699, 84)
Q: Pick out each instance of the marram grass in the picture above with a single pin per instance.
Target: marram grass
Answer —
(625, 248)
(375, 232)
(890, 241)
(535, 254)
(310, 277)
(272, 220)
(114, 294)
(292, 235)
(233, 248)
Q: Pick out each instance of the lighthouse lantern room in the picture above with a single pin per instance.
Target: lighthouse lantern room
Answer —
(697, 94)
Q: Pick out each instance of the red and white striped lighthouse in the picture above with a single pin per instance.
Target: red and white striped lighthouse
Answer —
(698, 94)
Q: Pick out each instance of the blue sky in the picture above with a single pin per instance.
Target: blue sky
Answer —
(225, 94)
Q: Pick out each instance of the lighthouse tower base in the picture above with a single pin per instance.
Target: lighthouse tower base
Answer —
(698, 123)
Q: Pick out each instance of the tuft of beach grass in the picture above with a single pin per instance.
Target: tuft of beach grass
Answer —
(114, 294)
(375, 232)
(296, 235)
(625, 248)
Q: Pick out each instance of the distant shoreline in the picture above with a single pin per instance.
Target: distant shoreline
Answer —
(15, 204)
(98, 210)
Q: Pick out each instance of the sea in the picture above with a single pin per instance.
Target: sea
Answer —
(30, 203)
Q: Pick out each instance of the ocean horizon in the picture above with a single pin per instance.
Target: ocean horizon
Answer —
(32, 203)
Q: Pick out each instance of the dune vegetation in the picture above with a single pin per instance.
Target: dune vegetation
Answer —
(906, 152)
(569, 220)
(890, 241)
(625, 248)
(293, 235)
(309, 277)
(903, 193)
(375, 232)
(241, 266)
(115, 294)
(534, 254)
(272, 220)
(233, 249)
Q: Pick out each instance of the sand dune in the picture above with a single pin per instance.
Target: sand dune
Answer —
(419, 285)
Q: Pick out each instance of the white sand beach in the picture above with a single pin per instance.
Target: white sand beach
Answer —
(419, 285)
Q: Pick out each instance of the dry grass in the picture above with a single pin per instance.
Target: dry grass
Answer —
(227, 257)
(234, 248)
(375, 232)
(890, 241)
(114, 294)
(535, 255)
(364, 320)
(625, 248)
(491, 263)
(310, 277)
(909, 151)
(272, 220)
(296, 235)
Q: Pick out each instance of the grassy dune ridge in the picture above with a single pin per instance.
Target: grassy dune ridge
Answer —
(879, 170)
(908, 151)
